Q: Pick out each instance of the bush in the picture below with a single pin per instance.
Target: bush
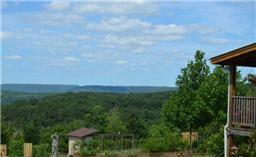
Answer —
(248, 148)
(87, 148)
(16, 146)
(163, 139)
(42, 150)
(213, 144)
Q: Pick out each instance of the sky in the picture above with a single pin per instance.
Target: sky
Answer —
(117, 42)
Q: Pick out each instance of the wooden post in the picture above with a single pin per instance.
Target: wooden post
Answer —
(3, 148)
(232, 92)
(27, 150)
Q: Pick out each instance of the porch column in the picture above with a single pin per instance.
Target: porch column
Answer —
(231, 93)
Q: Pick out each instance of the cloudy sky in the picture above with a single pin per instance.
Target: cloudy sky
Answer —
(116, 43)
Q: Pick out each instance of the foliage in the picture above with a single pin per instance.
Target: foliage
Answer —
(88, 147)
(6, 133)
(248, 147)
(182, 109)
(124, 153)
(41, 150)
(15, 147)
(214, 143)
(63, 113)
(135, 125)
(114, 123)
(31, 133)
(163, 139)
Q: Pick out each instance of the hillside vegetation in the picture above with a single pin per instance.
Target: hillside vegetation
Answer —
(157, 119)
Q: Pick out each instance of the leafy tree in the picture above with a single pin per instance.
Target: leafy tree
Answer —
(96, 118)
(114, 122)
(31, 133)
(182, 108)
(15, 147)
(6, 132)
(135, 125)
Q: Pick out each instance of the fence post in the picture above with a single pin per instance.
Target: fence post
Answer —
(3, 152)
(27, 150)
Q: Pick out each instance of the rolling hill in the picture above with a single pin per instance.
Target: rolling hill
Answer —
(47, 88)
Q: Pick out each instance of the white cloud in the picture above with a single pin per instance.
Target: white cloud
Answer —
(167, 29)
(46, 18)
(216, 41)
(13, 57)
(204, 29)
(71, 59)
(121, 62)
(126, 40)
(117, 7)
(83, 37)
(58, 5)
(119, 24)
(4, 35)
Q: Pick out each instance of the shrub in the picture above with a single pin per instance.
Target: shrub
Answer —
(163, 139)
(248, 148)
(213, 144)
(87, 147)
(16, 146)
(41, 150)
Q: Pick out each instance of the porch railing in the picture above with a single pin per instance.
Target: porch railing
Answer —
(244, 112)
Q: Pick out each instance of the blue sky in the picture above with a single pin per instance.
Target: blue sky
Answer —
(116, 42)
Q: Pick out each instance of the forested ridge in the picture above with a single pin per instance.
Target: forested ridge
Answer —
(64, 108)
(36, 119)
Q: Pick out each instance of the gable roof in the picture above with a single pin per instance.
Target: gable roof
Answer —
(82, 132)
(244, 56)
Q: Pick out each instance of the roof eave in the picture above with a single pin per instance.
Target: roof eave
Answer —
(232, 54)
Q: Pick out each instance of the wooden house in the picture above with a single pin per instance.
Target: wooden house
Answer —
(241, 116)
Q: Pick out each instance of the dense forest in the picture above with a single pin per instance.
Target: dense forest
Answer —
(35, 119)
(157, 119)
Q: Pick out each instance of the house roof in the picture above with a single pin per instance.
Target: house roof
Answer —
(244, 56)
(82, 132)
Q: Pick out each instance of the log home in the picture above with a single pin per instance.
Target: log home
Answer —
(241, 116)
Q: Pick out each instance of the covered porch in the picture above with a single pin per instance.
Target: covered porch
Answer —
(241, 111)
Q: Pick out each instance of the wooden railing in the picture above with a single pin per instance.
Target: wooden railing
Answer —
(244, 112)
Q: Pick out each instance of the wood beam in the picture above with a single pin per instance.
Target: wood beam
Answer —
(232, 92)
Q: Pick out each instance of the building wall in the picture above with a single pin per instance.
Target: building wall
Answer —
(71, 142)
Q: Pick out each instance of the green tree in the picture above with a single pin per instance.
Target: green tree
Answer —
(15, 147)
(135, 125)
(114, 123)
(31, 133)
(182, 109)
(6, 132)
(96, 118)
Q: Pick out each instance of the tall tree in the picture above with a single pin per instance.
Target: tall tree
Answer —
(114, 123)
(135, 125)
(182, 110)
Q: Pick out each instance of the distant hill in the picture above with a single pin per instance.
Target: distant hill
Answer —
(8, 97)
(37, 88)
(41, 88)
(122, 89)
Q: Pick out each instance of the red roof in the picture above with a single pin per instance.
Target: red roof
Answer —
(83, 132)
